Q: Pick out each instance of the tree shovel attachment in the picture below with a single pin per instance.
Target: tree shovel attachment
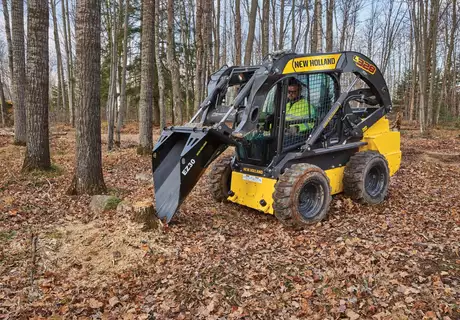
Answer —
(179, 158)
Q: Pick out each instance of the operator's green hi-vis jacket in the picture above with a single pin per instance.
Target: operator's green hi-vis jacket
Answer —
(302, 111)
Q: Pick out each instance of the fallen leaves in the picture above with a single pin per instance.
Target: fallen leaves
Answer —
(397, 260)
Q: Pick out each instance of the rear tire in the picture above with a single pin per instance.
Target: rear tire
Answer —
(220, 178)
(302, 195)
(366, 177)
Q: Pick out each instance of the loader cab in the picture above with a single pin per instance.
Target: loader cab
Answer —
(286, 121)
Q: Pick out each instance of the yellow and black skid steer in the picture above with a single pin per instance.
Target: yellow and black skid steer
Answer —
(304, 127)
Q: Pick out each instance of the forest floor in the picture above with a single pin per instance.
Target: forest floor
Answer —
(397, 260)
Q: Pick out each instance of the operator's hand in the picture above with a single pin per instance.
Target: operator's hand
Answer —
(292, 130)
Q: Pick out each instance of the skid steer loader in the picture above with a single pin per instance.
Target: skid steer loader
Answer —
(299, 138)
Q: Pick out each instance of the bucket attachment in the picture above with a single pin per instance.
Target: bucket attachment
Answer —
(179, 158)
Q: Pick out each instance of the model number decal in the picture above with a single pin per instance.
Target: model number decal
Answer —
(252, 178)
(188, 167)
(366, 66)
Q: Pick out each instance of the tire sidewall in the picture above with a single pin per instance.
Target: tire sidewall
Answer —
(376, 161)
(311, 177)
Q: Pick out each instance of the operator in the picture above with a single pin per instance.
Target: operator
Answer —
(299, 109)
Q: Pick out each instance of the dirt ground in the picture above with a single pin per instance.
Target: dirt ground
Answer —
(397, 260)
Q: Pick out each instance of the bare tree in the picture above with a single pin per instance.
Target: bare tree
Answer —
(57, 45)
(199, 52)
(329, 31)
(281, 28)
(37, 151)
(88, 176)
(237, 33)
(250, 38)
(317, 30)
(171, 55)
(147, 75)
(69, 59)
(6, 16)
(123, 100)
(265, 26)
(161, 81)
(19, 71)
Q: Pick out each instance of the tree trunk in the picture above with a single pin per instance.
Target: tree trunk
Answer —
(147, 74)
(265, 27)
(123, 107)
(329, 32)
(161, 81)
(112, 97)
(6, 16)
(237, 33)
(199, 53)
(224, 37)
(433, 42)
(307, 28)
(281, 35)
(217, 36)
(88, 176)
(275, 44)
(175, 75)
(69, 62)
(37, 151)
(293, 26)
(250, 38)
(60, 69)
(317, 31)
(19, 69)
(3, 100)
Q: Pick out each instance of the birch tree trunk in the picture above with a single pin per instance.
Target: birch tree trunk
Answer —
(19, 69)
(88, 176)
(250, 38)
(37, 150)
(147, 74)
(123, 101)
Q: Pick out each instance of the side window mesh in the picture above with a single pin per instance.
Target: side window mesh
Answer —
(308, 107)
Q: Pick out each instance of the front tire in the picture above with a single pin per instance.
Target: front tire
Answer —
(220, 178)
(366, 177)
(302, 195)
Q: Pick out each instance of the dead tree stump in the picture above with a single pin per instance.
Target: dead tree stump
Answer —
(144, 212)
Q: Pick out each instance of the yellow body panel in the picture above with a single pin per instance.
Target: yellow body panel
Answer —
(249, 190)
(335, 179)
(380, 138)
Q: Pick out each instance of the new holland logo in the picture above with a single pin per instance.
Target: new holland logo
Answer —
(312, 63)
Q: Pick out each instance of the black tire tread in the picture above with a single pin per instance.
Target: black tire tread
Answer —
(353, 178)
(284, 188)
(219, 168)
